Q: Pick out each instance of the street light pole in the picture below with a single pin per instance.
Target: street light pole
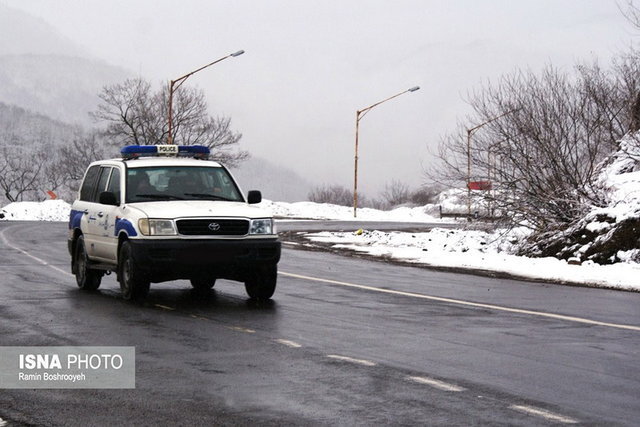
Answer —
(470, 133)
(359, 115)
(175, 84)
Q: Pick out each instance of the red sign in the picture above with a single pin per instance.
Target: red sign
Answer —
(480, 185)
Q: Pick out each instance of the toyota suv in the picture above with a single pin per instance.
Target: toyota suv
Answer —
(164, 213)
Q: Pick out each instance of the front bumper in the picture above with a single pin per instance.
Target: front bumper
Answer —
(172, 259)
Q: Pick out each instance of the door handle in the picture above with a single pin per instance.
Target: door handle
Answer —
(100, 214)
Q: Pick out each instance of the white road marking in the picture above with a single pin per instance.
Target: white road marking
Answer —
(531, 410)
(352, 360)
(41, 261)
(465, 303)
(241, 329)
(2, 422)
(440, 385)
(288, 343)
(388, 291)
(165, 307)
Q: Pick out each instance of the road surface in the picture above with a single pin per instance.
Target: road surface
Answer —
(345, 341)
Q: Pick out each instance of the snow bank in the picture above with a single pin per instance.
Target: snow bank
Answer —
(311, 210)
(472, 249)
(49, 210)
(608, 234)
(479, 250)
(58, 210)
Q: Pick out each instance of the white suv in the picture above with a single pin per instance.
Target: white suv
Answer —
(164, 213)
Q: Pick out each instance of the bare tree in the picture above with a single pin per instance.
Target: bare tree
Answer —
(20, 171)
(68, 164)
(425, 195)
(396, 193)
(134, 114)
(544, 156)
(630, 11)
(334, 194)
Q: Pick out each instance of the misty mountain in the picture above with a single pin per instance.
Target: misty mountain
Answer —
(48, 81)
(42, 71)
(28, 129)
(277, 183)
(65, 88)
(22, 33)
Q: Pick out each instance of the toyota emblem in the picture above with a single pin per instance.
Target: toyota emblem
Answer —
(214, 226)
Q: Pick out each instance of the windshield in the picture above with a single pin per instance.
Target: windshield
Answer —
(180, 183)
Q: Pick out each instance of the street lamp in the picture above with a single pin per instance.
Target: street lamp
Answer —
(359, 115)
(470, 133)
(175, 84)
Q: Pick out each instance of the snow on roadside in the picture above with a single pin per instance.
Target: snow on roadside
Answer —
(311, 210)
(49, 210)
(480, 250)
(472, 249)
(58, 210)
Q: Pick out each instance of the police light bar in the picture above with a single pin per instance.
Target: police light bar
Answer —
(135, 151)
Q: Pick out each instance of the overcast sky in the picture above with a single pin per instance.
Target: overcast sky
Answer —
(309, 65)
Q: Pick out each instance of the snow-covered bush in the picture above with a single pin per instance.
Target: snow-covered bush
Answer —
(605, 234)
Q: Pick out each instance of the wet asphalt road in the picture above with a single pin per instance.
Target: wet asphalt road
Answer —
(342, 343)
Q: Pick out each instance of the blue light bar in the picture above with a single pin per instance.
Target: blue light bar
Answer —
(135, 151)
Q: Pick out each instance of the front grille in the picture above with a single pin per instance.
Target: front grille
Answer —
(213, 227)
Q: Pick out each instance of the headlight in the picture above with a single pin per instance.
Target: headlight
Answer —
(156, 227)
(262, 226)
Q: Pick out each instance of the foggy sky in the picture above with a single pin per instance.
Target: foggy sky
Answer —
(309, 65)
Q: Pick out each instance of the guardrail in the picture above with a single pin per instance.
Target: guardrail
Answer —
(470, 216)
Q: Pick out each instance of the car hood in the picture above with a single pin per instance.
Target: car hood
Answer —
(200, 208)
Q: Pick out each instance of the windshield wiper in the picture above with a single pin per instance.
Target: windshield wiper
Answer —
(209, 196)
(160, 196)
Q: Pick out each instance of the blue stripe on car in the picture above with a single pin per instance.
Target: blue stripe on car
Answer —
(74, 219)
(124, 224)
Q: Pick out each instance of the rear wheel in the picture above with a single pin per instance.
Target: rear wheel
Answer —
(133, 284)
(86, 278)
(261, 283)
(203, 285)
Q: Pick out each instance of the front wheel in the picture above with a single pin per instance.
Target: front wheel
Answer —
(86, 278)
(133, 284)
(261, 283)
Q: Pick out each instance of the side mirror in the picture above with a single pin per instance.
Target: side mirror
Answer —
(254, 197)
(108, 198)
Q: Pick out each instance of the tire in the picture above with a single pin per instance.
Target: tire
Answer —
(133, 284)
(261, 283)
(203, 285)
(86, 278)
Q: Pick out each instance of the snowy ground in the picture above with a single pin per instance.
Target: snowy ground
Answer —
(440, 247)
(479, 250)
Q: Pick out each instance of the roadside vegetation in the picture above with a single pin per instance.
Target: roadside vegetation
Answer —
(39, 154)
(395, 194)
(540, 146)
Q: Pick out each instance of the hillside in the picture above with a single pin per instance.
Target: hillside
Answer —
(22, 33)
(47, 81)
(42, 71)
(28, 128)
(65, 88)
(275, 182)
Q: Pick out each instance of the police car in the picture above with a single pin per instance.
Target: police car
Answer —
(166, 212)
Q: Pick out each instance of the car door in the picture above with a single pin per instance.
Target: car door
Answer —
(94, 212)
(106, 243)
(84, 205)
